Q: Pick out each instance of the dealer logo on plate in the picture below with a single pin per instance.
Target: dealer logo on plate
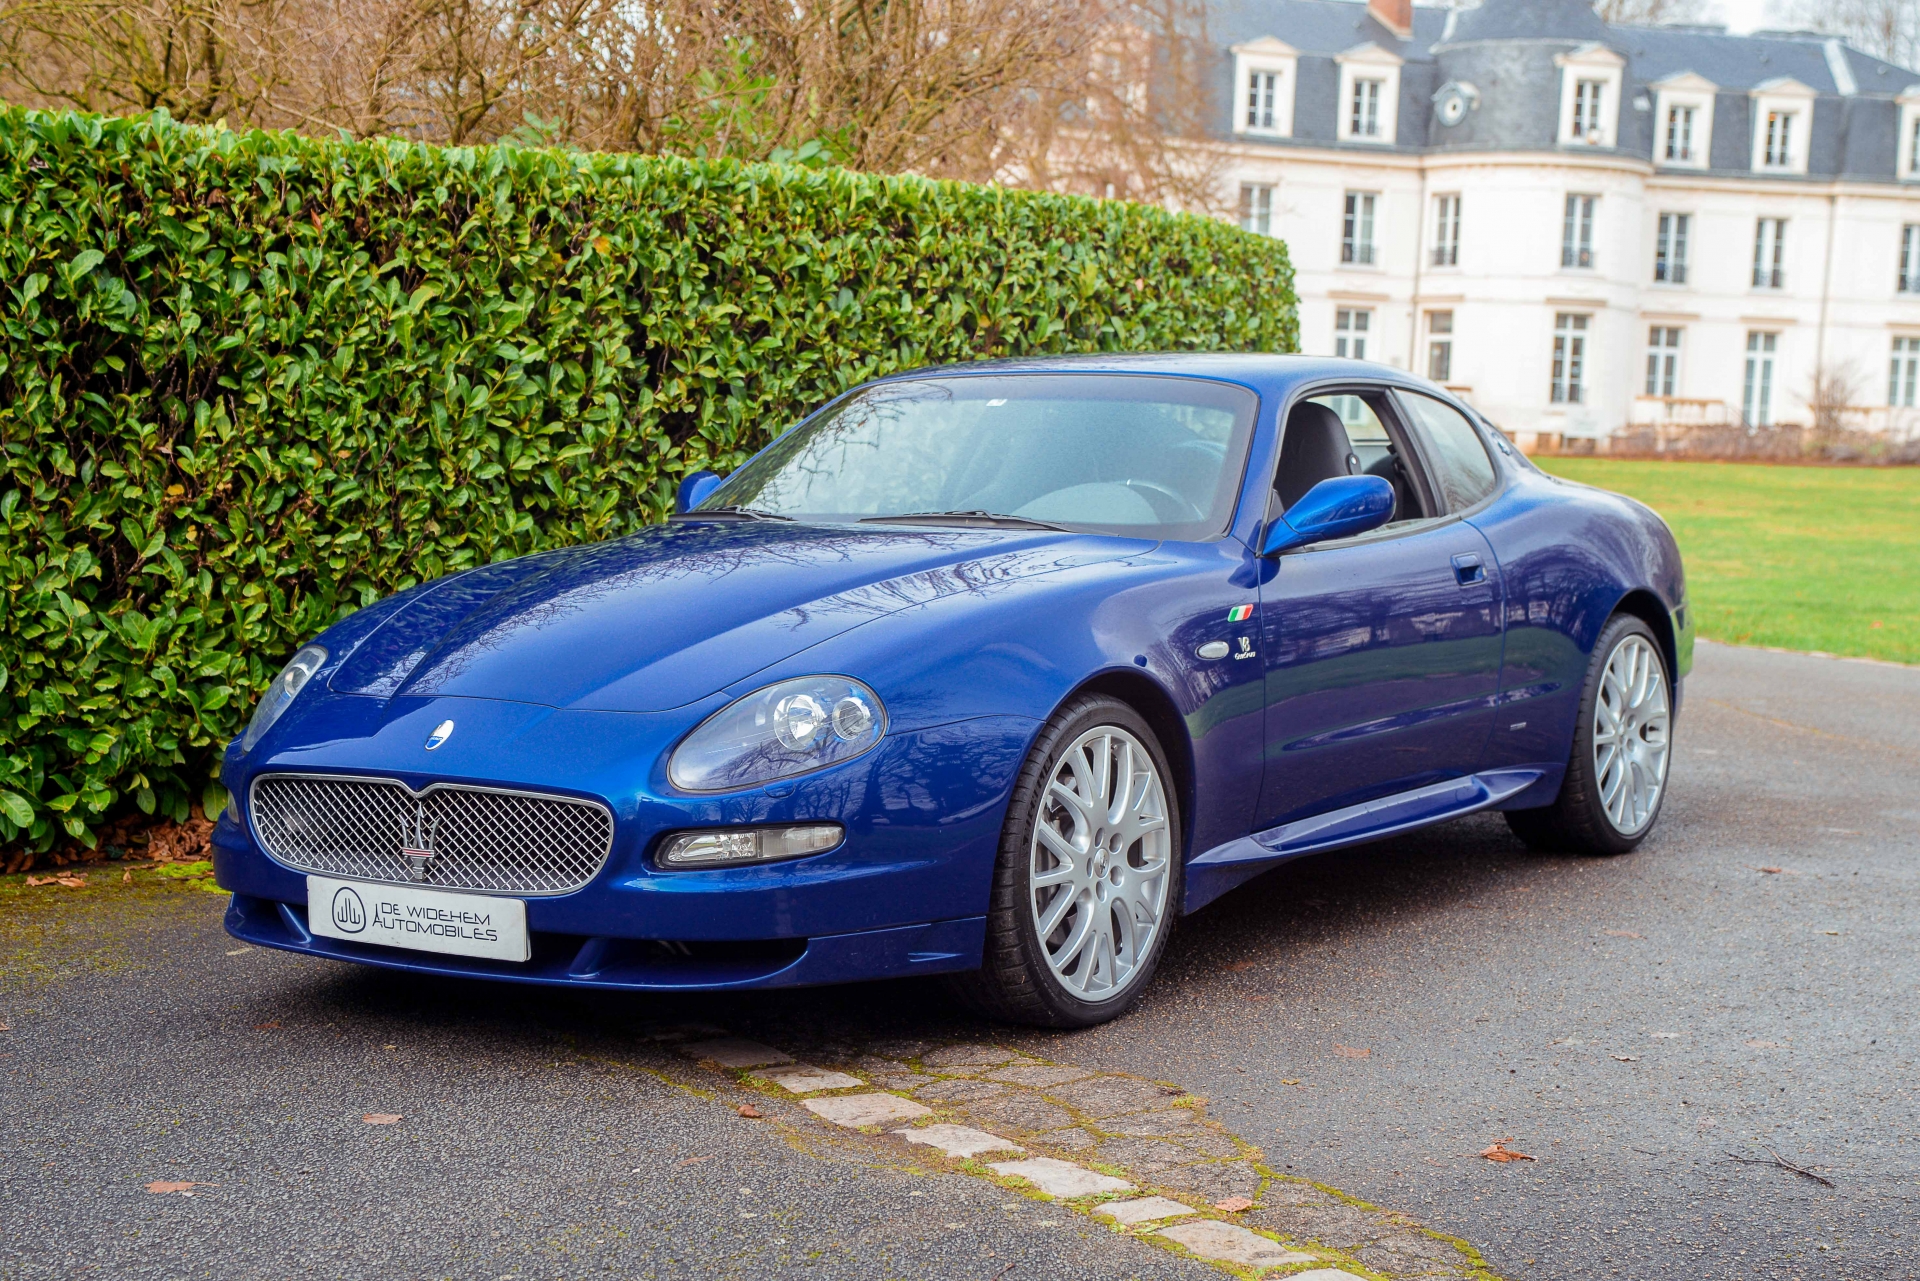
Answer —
(349, 913)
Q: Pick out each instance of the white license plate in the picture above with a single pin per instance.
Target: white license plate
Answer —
(420, 919)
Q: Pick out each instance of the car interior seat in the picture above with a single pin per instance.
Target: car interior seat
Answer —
(1316, 448)
(1390, 470)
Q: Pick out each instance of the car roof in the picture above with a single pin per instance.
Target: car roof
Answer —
(1268, 373)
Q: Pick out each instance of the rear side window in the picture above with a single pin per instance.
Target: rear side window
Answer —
(1461, 467)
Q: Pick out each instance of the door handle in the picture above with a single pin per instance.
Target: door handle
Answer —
(1468, 569)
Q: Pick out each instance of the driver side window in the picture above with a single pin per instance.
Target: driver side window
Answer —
(1346, 434)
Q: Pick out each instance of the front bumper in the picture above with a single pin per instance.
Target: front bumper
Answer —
(905, 893)
(937, 947)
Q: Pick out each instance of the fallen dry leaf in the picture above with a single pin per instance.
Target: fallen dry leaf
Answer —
(1497, 1151)
(1622, 934)
(161, 1185)
(1351, 1051)
(381, 1118)
(749, 1111)
(1233, 1204)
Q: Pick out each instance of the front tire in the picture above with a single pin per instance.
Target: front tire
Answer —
(1088, 878)
(1622, 747)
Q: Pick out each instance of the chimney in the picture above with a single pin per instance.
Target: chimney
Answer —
(1395, 15)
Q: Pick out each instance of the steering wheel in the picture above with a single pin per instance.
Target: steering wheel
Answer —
(1183, 511)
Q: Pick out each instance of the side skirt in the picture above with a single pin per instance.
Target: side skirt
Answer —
(1221, 868)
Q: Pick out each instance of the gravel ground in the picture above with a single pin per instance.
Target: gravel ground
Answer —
(1370, 1019)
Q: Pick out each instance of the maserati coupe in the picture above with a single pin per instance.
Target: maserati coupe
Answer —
(992, 672)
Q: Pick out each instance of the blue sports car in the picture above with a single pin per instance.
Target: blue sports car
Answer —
(992, 672)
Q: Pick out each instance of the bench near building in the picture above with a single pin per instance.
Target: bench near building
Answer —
(1582, 226)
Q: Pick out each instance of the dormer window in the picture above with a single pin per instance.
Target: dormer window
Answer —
(1590, 79)
(1778, 147)
(1680, 134)
(1264, 71)
(1263, 95)
(1907, 141)
(1366, 109)
(1782, 112)
(1683, 135)
(1369, 96)
(1587, 97)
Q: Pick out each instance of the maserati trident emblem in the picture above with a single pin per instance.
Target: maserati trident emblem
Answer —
(441, 733)
(416, 847)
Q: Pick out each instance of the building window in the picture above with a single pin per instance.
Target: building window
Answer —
(1663, 361)
(1570, 358)
(1903, 388)
(1769, 253)
(1576, 244)
(1446, 231)
(1356, 235)
(1351, 326)
(1670, 249)
(1587, 96)
(1910, 259)
(1263, 97)
(1777, 152)
(1680, 135)
(1756, 404)
(1365, 121)
(1256, 208)
(1440, 346)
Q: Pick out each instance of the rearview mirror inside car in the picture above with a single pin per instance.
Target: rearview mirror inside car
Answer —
(1337, 508)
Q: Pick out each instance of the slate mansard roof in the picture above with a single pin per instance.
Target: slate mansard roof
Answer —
(1506, 50)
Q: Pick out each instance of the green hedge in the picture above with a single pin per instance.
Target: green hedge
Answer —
(251, 382)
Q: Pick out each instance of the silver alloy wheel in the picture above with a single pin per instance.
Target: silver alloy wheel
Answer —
(1099, 864)
(1631, 718)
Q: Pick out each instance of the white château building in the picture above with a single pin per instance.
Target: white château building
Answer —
(1580, 226)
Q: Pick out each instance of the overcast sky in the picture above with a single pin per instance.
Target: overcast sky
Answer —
(1743, 15)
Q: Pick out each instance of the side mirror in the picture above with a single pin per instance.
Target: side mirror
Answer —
(694, 490)
(1337, 508)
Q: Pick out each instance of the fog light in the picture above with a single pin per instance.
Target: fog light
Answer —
(738, 845)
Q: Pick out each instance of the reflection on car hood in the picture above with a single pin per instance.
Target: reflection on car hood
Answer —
(669, 616)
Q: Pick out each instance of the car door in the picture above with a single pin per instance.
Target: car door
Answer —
(1382, 653)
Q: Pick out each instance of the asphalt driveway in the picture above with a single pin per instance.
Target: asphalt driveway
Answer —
(1371, 1019)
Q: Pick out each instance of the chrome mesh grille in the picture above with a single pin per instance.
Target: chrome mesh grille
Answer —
(481, 839)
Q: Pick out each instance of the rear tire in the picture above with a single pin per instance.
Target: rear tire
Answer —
(1616, 776)
(1088, 878)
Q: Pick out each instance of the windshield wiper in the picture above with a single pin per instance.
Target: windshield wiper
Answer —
(745, 513)
(968, 517)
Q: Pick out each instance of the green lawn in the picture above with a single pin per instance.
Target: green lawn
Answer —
(1808, 558)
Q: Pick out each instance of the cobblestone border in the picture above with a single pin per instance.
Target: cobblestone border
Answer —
(1138, 1157)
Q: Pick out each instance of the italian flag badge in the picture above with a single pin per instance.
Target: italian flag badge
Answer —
(1239, 613)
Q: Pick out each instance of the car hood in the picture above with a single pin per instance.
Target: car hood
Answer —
(671, 615)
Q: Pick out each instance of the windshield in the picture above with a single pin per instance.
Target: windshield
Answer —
(1136, 455)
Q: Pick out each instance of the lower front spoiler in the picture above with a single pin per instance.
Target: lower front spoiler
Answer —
(570, 960)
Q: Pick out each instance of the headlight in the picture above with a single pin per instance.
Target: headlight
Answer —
(791, 728)
(280, 695)
(733, 846)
